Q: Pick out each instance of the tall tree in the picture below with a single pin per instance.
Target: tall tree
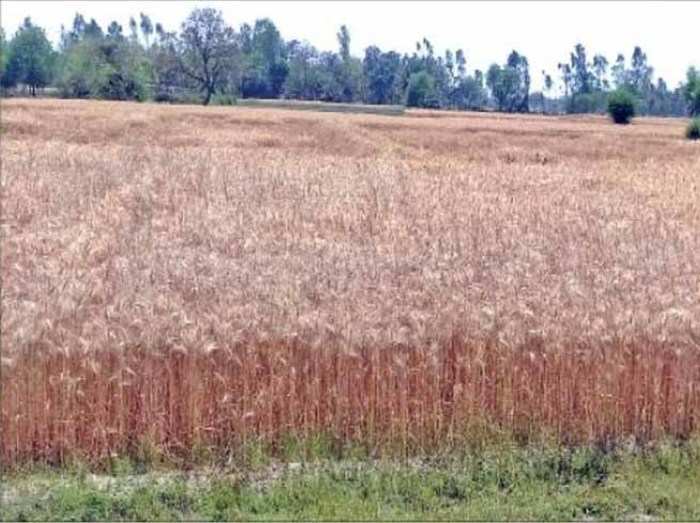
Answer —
(330, 74)
(640, 73)
(421, 91)
(600, 70)
(547, 85)
(691, 91)
(265, 68)
(519, 64)
(586, 81)
(115, 31)
(303, 80)
(510, 84)
(104, 66)
(566, 78)
(3, 53)
(581, 78)
(382, 73)
(76, 33)
(343, 37)
(619, 72)
(133, 29)
(207, 49)
(30, 58)
(146, 29)
(450, 64)
(351, 69)
(461, 63)
(504, 83)
(168, 76)
(468, 92)
(93, 30)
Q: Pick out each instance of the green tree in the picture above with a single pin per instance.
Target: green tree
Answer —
(619, 71)
(207, 49)
(691, 91)
(265, 65)
(146, 29)
(586, 82)
(382, 74)
(115, 31)
(343, 36)
(600, 70)
(329, 76)
(510, 84)
(351, 70)
(581, 77)
(520, 65)
(461, 62)
(503, 83)
(93, 30)
(547, 85)
(421, 91)
(302, 82)
(111, 67)
(30, 58)
(133, 29)
(107, 65)
(461, 91)
(170, 83)
(565, 71)
(3, 53)
(468, 92)
(641, 72)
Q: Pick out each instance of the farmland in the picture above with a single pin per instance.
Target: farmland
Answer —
(189, 281)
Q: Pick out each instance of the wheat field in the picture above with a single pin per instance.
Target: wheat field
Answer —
(194, 278)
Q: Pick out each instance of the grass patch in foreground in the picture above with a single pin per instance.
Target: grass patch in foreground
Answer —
(504, 483)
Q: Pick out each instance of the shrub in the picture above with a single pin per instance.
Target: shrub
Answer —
(692, 132)
(621, 106)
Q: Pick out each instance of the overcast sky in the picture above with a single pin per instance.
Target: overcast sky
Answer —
(487, 31)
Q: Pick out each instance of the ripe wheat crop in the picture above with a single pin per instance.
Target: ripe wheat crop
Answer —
(200, 278)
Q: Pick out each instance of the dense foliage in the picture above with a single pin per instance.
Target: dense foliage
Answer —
(621, 106)
(693, 130)
(691, 91)
(209, 60)
(29, 58)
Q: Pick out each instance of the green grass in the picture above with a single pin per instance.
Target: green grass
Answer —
(499, 483)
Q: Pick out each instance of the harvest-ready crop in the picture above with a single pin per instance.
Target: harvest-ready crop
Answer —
(185, 279)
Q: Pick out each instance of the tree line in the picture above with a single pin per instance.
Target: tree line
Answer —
(209, 61)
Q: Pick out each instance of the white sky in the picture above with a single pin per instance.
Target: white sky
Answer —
(544, 31)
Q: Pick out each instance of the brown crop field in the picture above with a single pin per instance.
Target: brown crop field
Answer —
(194, 278)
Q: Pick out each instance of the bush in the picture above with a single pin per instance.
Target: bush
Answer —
(621, 106)
(692, 132)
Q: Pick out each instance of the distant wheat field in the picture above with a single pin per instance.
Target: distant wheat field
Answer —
(189, 278)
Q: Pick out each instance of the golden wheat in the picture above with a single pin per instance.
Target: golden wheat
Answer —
(202, 277)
